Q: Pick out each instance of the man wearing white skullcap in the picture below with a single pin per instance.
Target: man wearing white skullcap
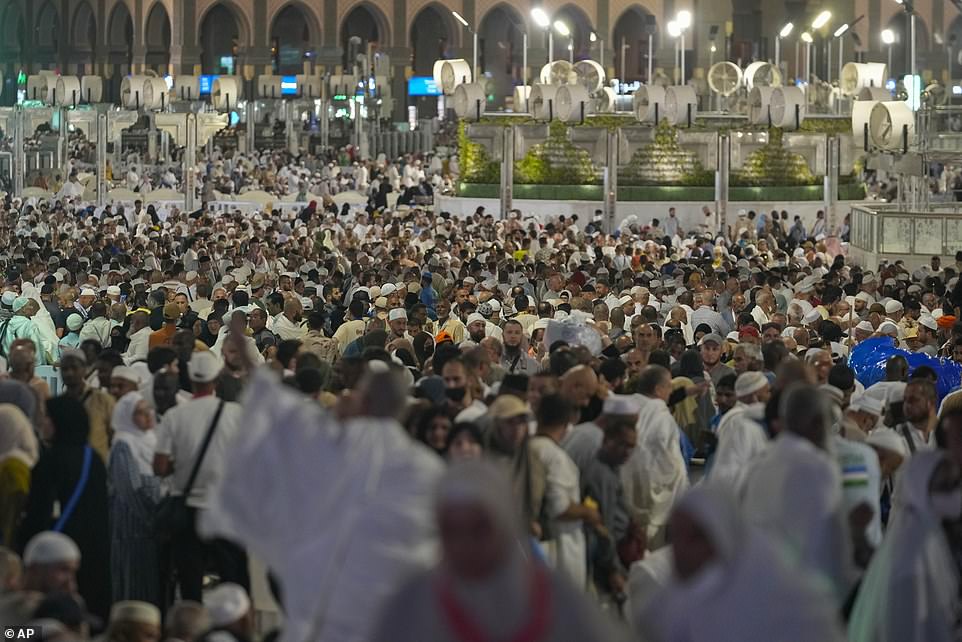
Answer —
(231, 615)
(397, 320)
(742, 433)
(133, 620)
(476, 327)
(123, 379)
(50, 562)
(583, 441)
(180, 436)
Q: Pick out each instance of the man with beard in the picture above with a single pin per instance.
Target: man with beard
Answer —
(711, 352)
(459, 387)
(515, 359)
(263, 337)
(397, 321)
(450, 323)
(476, 327)
(919, 406)
(287, 325)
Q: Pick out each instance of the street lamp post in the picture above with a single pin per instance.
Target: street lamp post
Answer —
(544, 22)
(807, 39)
(888, 38)
(820, 21)
(784, 33)
(840, 34)
(684, 22)
(563, 30)
(464, 23)
(676, 29)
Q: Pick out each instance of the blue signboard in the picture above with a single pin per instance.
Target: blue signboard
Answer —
(288, 85)
(423, 86)
(207, 83)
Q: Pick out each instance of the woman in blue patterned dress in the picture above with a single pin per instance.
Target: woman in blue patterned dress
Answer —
(134, 493)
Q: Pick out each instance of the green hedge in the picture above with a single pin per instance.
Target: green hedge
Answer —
(659, 193)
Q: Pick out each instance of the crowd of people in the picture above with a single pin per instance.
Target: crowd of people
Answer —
(541, 429)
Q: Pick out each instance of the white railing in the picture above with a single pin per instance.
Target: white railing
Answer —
(884, 229)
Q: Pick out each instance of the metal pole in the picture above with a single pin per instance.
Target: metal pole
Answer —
(190, 152)
(524, 68)
(830, 187)
(507, 171)
(19, 156)
(841, 59)
(62, 147)
(571, 50)
(650, 53)
(624, 73)
(291, 130)
(828, 61)
(890, 73)
(796, 59)
(101, 159)
(721, 183)
(948, 49)
(475, 68)
(601, 53)
(550, 46)
(778, 44)
(682, 39)
(251, 117)
(912, 54)
(814, 71)
(808, 62)
(611, 181)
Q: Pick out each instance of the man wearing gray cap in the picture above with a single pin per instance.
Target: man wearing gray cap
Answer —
(711, 353)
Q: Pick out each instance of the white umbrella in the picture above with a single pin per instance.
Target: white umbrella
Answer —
(341, 512)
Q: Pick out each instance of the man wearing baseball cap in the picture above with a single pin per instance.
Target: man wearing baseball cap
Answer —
(165, 336)
(180, 437)
(711, 346)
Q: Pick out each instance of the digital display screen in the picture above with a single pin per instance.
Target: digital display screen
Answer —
(207, 83)
(288, 85)
(423, 86)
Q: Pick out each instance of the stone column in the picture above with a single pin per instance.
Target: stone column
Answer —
(138, 60)
(184, 49)
(329, 53)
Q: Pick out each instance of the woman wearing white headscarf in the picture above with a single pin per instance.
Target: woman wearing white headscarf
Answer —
(729, 583)
(910, 592)
(134, 493)
(18, 454)
(486, 587)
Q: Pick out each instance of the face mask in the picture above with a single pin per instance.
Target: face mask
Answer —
(455, 394)
(947, 505)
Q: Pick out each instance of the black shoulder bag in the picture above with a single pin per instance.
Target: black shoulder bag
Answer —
(173, 516)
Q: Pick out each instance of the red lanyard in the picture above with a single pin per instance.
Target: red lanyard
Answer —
(467, 630)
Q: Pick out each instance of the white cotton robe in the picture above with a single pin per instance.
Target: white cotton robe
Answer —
(793, 493)
(566, 550)
(910, 590)
(655, 474)
(747, 593)
(741, 438)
